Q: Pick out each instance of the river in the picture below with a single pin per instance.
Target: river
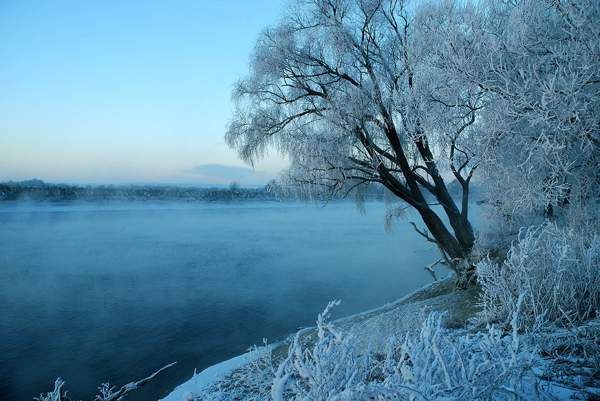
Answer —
(111, 292)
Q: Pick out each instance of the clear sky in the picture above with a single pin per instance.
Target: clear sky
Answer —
(129, 91)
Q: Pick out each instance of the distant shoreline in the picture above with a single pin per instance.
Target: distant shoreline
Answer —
(39, 191)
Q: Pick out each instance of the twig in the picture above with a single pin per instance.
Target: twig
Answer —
(430, 267)
(423, 233)
(127, 388)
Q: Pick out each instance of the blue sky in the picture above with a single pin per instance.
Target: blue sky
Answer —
(125, 91)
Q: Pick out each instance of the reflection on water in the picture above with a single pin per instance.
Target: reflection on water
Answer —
(112, 292)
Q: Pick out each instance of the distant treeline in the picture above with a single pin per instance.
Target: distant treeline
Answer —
(37, 190)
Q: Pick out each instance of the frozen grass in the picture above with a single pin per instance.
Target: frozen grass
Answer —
(555, 270)
(430, 363)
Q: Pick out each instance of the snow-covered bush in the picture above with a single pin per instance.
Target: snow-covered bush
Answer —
(331, 369)
(432, 363)
(555, 270)
(439, 364)
(429, 363)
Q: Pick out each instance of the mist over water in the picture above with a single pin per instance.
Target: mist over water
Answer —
(96, 293)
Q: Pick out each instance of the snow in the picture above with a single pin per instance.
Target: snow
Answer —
(208, 376)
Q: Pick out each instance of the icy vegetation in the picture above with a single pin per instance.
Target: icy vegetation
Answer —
(556, 273)
(428, 363)
(106, 392)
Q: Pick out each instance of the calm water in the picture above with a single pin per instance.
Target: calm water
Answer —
(96, 293)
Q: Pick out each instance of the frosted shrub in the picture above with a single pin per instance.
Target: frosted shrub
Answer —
(438, 364)
(432, 363)
(329, 370)
(321, 366)
(57, 394)
(556, 271)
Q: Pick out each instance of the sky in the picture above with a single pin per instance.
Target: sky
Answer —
(126, 91)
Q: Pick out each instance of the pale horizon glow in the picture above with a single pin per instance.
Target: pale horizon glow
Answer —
(125, 92)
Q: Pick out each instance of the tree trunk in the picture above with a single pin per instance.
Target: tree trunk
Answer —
(445, 240)
(462, 230)
(457, 247)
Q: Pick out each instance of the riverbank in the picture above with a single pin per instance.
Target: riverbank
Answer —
(372, 327)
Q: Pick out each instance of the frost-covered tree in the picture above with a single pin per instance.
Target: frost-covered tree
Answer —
(357, 93)
(539, 64)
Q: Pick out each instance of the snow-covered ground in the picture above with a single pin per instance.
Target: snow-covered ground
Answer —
(200, 381)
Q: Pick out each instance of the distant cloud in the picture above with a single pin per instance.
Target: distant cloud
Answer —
(219, 174)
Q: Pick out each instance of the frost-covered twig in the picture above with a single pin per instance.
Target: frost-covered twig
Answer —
(107, 392)
(109, 395)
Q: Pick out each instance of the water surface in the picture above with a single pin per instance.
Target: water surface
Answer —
(96, 293)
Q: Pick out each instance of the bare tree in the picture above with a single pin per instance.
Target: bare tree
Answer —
(355, 93)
